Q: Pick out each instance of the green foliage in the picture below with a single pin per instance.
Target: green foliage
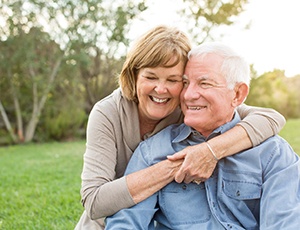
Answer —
(28, 75)
(205, 16)
(42, 36)
(90, 38)
(62, 124)
(274, 90)
(40, 186)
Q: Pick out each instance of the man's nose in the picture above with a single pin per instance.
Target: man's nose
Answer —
(191, 92)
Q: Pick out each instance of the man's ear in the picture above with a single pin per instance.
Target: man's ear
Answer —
(241, 93)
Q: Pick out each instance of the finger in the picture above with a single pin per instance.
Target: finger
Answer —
(177, 156)
(179, 176)
(188, 179)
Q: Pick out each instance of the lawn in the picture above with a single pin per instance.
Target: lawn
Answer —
(39, 186)
(291, 132)
(40, 183)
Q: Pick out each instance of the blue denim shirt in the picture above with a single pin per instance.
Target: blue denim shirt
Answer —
(255, 189)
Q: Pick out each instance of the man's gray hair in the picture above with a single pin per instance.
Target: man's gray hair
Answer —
(234, 68)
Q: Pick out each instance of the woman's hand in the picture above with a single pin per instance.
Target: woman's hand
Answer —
(198, 164)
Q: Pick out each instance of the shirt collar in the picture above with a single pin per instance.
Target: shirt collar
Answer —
(185, 131)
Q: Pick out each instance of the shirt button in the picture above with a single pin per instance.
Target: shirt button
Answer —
(184, 187)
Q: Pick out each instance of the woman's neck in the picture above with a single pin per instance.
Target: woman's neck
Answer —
(146, 126)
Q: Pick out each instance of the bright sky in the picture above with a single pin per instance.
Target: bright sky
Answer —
(273, 41)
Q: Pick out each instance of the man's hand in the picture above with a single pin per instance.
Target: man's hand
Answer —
(198, 163)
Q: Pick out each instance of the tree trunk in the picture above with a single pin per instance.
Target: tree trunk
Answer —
(18, 115)
(7, 124)
(39, 105)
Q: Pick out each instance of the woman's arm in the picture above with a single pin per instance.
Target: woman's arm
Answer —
(258, 124)
(144, 183)
(102, 194)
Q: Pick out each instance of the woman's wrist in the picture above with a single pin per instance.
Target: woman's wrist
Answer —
(230, 142)
(212, 151)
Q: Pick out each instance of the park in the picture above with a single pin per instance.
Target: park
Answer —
(53, 77)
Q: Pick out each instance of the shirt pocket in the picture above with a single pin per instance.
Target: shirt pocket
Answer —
(239, 196)
(242, 186)
(180, 203)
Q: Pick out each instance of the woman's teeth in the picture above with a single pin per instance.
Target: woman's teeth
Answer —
(158, 100)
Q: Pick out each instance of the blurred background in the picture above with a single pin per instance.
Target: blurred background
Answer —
(58, 58)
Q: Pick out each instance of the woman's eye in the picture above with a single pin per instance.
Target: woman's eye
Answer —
(150, 77)
(173, 80)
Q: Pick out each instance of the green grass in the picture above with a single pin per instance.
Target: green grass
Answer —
(291, 133)
(40, 183)
(39, 186)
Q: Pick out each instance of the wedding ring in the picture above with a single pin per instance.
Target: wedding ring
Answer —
(197, 181)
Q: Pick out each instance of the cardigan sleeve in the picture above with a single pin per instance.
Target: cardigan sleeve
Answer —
(102, 194)
(260, 123)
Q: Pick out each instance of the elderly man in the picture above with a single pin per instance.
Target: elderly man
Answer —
(256, 189)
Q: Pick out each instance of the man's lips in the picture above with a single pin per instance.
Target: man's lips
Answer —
(195, 107)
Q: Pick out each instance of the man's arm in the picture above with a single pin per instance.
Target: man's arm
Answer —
(139, 216)
(280, 200)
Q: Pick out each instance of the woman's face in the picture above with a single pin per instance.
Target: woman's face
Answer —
(158, 91)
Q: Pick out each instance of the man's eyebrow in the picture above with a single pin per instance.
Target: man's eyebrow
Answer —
(203, 77)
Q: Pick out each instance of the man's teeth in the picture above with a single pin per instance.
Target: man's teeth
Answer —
(159, 100)
(195, 107)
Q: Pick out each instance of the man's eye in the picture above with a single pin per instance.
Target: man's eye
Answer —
(185, 83)
(205, 85)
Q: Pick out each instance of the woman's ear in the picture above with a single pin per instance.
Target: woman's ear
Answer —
(241, 93)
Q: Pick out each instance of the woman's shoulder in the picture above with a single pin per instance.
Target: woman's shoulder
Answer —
(114, 105)
(110, 100)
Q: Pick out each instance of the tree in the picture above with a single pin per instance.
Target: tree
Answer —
(40, 36)
(203, 17)
(29, 72)
(54, 44)
(272, 90)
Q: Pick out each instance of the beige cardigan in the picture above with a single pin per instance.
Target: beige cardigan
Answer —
(113, 134)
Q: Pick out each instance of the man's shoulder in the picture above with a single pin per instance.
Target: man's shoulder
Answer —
(273, 149)
(170, 132)
(275, 142)
(163, 139)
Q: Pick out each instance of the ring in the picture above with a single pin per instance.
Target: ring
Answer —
(197, 181)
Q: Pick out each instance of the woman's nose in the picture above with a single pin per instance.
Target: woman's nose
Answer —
(161, 87)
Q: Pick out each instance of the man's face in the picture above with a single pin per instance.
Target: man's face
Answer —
(205, 99)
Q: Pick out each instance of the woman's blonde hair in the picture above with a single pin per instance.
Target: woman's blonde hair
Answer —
(154, 49)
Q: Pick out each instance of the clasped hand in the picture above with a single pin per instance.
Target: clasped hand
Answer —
(198, 164)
